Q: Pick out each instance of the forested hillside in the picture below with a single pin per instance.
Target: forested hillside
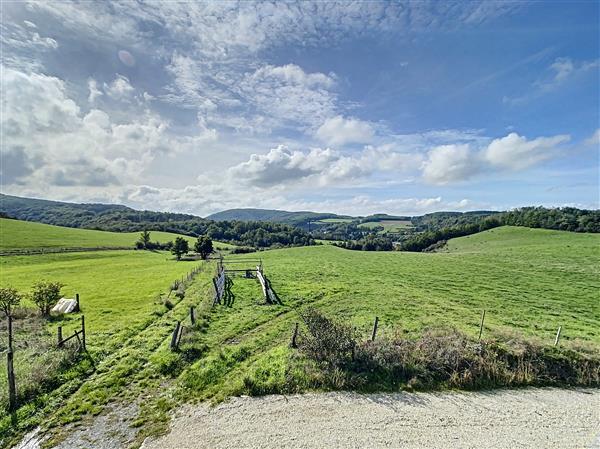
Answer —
(275, 216)
(108, 217)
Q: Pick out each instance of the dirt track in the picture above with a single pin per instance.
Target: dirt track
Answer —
(533, 418)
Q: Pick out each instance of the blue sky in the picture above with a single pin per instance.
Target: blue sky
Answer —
(357, 108)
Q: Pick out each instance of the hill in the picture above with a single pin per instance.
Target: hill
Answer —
(107, 217)
(17, 234)
(529, 281)
(275, 216)
(112, 217)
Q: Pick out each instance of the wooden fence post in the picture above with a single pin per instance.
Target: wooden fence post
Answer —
(375, 328)
(59, 336)
(83, 332)
(294, 336)
(12, 389)
(175, 336)
(481, 325)
(78, 308)
(192, 317)
(557, 336)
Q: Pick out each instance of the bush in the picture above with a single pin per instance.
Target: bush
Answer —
(326, 341)
(243, 250)
(45, 295)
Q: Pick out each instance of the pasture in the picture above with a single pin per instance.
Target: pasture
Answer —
(25, 234)
(529, 281)
(17, 234)
(336, 220)
(119, 290)
(124, 294)
(388, 225)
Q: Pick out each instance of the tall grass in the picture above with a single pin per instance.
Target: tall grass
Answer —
(438, 358)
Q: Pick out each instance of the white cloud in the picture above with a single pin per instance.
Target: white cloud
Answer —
(563, 68)
(340, 131)
(561, 72)
(594, 139)
(515, 152)
(15, 37)
(287, 94)
(120, 88)
(254, 101)
(449, 163)
(282, 166)
(459, 162)
(54, 143)
(35, 103)
(94, 91)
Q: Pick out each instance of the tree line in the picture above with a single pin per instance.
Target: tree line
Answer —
(202, 246)
(562, 219)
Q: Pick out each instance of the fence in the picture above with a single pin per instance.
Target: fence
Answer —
(79, 335)
(268, 292)
(293, 342)
(179, 328)
(34, 251)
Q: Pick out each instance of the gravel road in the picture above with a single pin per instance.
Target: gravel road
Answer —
(532, 418)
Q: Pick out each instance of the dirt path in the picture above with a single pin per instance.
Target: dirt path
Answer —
(533, 418)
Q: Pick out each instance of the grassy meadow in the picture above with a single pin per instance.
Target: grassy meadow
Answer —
(388, 225)
(529, 281)
(336, 220)
(17, 234)
(118, 290)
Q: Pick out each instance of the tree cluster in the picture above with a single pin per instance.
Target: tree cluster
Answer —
(562, 219)
(369, 243)
(424, 240)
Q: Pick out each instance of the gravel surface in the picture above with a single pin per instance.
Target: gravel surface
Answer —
(532, 418)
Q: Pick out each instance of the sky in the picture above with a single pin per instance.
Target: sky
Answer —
(352, 107)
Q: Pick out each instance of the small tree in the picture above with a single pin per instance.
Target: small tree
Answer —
(144, 240)
(9, 298)
(45, 295)
(180, 247)
(204, 246)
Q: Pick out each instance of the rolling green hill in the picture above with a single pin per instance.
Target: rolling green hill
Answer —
(275, 216)
(529, 281)
(16, 234)
(115, 218)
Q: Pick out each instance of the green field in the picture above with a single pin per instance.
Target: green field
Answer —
(388, 225)
(336, 220)
(17, 234)
(529, 281)
(118, 289)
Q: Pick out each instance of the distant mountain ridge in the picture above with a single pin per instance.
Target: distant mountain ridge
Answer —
(273, 215)
(82, 215)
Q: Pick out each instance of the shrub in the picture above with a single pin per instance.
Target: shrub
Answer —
(243, 250)
(45, 295)
(326, 341)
